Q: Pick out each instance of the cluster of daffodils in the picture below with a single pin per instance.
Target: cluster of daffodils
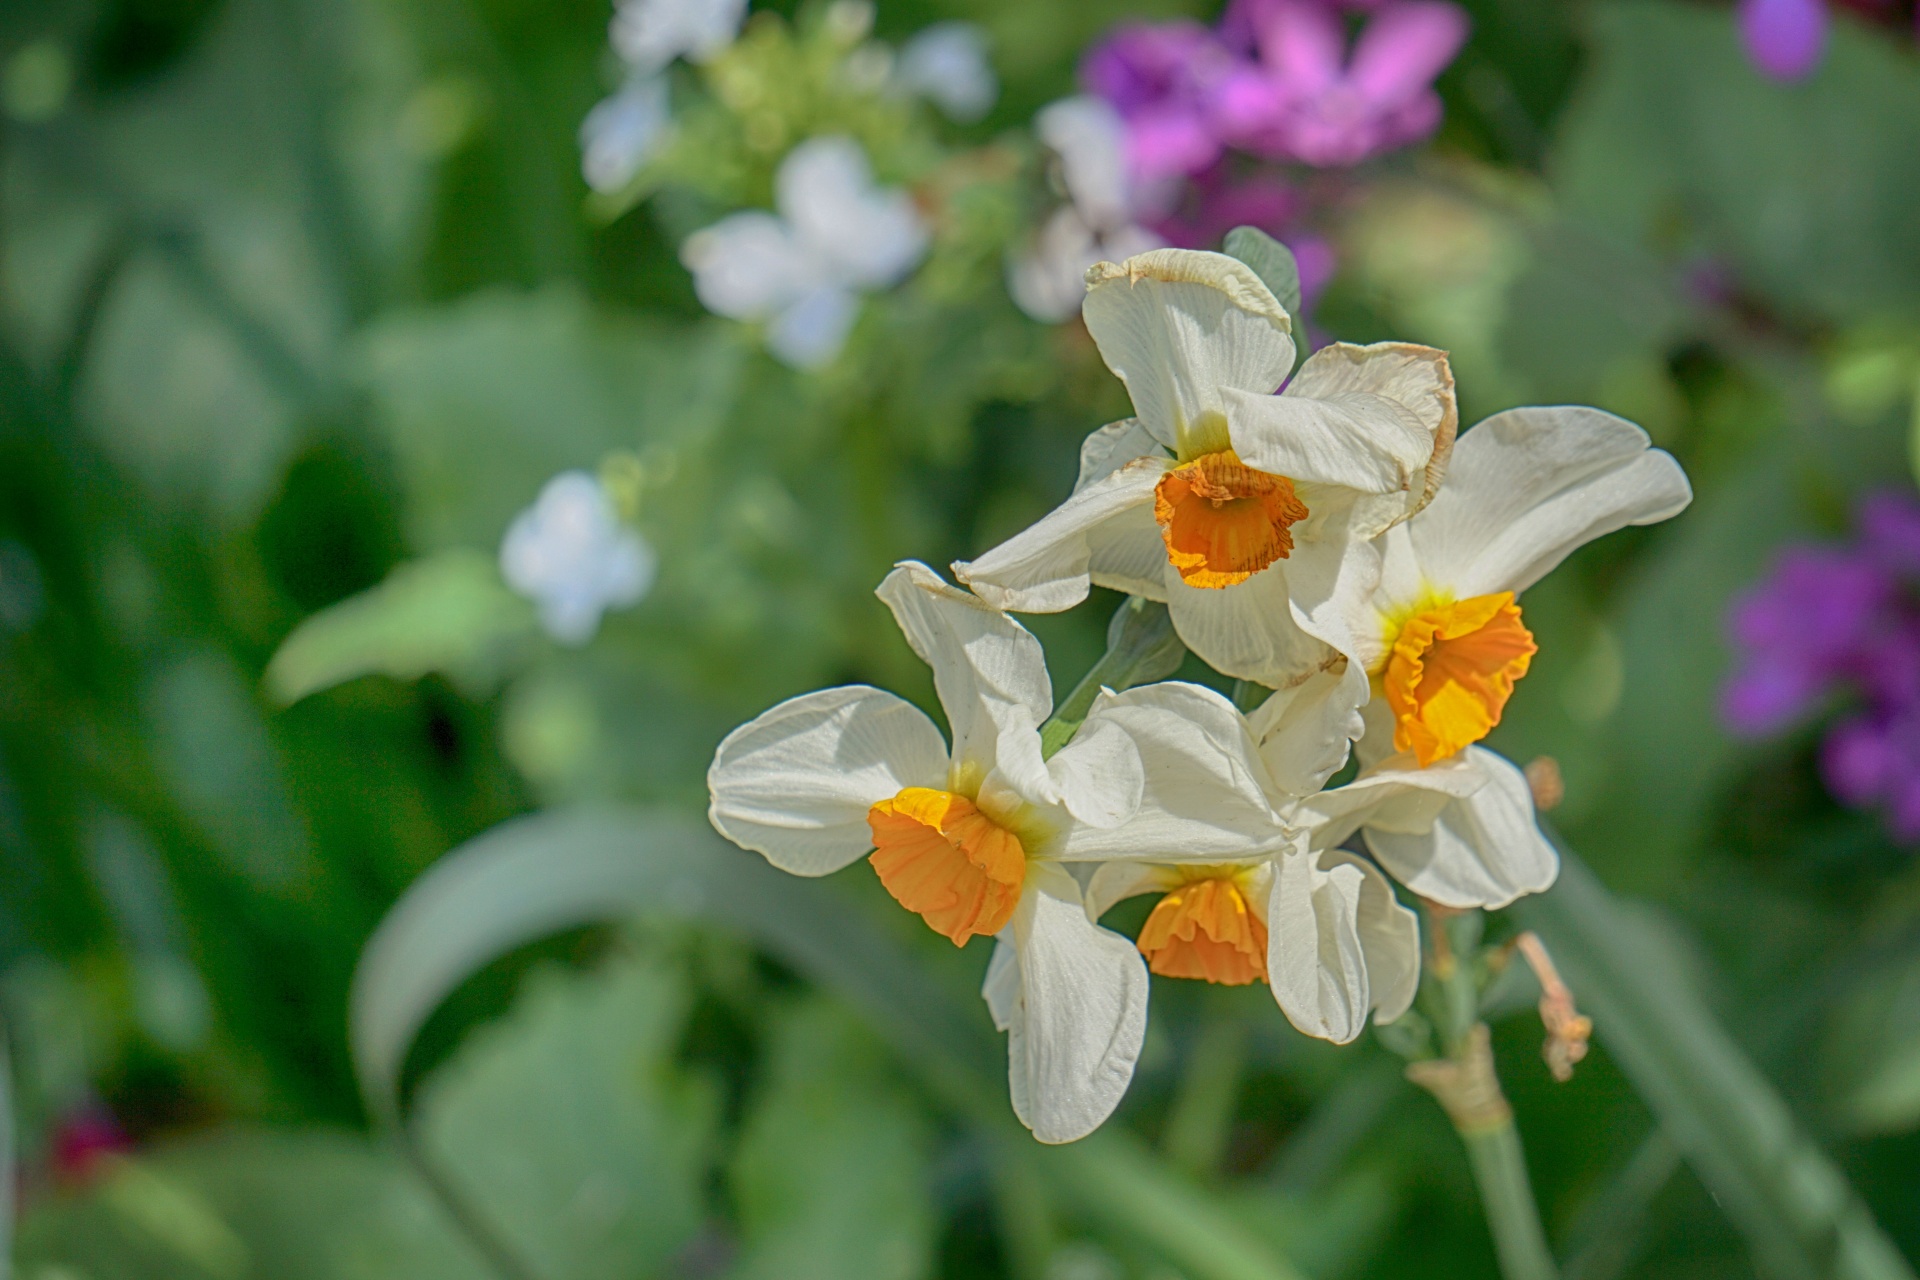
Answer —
(1331, 543)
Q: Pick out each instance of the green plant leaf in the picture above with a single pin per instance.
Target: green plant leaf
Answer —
(569, 1127)
(1799, 1216)
(448, 613)
(1814, 210)
(544, 872)
(831, 1176)
(1271, 261)
(548, 383)
(294, 1206)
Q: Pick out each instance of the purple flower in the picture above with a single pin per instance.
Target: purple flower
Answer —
(1874, 760)
(1785, 38)
(1801, 630)
(1831, 619)
(1219, 202)
(1162, 79)
(1308, 98)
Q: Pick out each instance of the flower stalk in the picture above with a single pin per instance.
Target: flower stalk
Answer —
(1141, 648)
(1468, 1089)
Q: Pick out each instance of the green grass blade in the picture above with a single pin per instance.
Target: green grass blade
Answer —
(538, 874)
(1800, 1217)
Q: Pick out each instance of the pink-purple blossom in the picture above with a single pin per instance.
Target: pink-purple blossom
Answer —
(1837, 627)
(1279, 80)
(1785, 38)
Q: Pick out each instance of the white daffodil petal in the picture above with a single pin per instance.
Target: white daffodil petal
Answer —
(1363, 418)
(1528, 486)
(1205, 798)
(1044, 568)
(1099, 775)
(1114, 882)
(1182, 328)
(1246, 631)
(1483, 850)
(1396, 796)
(1084, 1012)
(1001, 987)
(1128, 554)
(1389, 939)
(1306, 732)
(1112, 447)
(989, 671)
(796, 783)
(1419, 379)
(1316, 961)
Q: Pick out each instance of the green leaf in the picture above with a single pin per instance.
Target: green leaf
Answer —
(448, 613)
(568, 1126)
(1271, 261)
(1814, 209)
(538, 874)
(547, 383)
(831, 1177)
(294, 1206)
(1798, 1214)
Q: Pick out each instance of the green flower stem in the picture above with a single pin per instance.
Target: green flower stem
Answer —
(1141, 647)
(1500, 1169)
(1468, 1088)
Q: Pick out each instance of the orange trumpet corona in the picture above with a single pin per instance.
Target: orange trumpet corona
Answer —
(1450, 672)
(1223, 521)
(942, 858)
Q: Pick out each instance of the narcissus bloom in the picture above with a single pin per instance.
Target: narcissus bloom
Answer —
(975, 838)
(1251, 515)
(1316, 923)
(1527, 487)
(1461, 832)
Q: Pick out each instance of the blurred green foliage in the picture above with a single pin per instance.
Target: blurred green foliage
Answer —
(303, 301)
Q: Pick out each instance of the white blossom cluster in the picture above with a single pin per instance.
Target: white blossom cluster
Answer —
(1331, 543)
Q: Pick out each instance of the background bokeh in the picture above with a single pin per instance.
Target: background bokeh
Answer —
(296, 295)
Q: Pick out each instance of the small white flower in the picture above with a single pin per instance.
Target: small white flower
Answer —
(978, 838)
(800, 271)
(947, 64)
(570, 554)
(1098, 224)
(622, 132)
(649, 34)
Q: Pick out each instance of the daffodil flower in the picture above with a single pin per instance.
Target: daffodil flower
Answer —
(976, 838)
(1444, 639)
(1251, 515)
(1318, 924)
(1460, 832)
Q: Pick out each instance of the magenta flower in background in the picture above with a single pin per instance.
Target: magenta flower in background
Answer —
(1162, 79)
(1217, 202)
(1841, 623)
(1785, 38)
(1305, 96)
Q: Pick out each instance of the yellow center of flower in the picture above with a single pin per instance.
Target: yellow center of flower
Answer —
(1223, 521)
(940, 857)
(1450, 671)
(1207, 929)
